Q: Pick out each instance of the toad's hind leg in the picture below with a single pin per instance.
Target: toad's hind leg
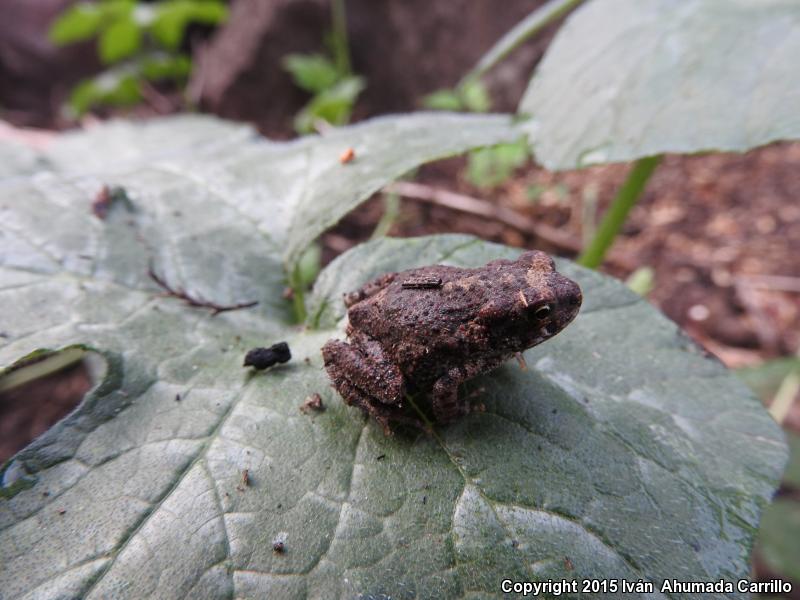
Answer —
(364, 364)
(386, 415)
(366, 379)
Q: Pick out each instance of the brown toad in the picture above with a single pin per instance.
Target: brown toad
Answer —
(427, 330)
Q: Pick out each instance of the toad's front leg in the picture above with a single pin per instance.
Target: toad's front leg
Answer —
(447, 406)
(365, 377)
(444, 397)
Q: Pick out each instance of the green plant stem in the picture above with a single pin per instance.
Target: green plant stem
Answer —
(391, 210)
(784, 397)
(615, 216)
(298, 296)
(520, 33)
(341, 51)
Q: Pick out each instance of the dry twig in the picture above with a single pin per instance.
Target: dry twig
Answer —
(193, 300)
(474, 206)
(482, 208)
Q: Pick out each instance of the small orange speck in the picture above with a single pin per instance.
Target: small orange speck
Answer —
(346, 156)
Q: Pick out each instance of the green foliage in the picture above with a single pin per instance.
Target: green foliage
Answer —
(302, 277)
(332, 105)
(627, 197)
(641, 280)
(140, 40)
(171, 18)
(765, 379)
(490, 167)
(486, 167)
(470, 96)
(328, 78)
(628, 466)
(314, 73)
(79, 22)
(121, 39)
(443, 100)
(113, 87)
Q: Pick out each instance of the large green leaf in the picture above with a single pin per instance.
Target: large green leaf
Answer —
(293, 191)
(631, 78)
(621, 448)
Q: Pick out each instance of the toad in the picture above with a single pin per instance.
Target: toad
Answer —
(424, 331)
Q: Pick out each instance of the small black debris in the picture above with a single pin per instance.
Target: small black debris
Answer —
(380, 457)
(278, 547)
(177, 397)
(261, 358)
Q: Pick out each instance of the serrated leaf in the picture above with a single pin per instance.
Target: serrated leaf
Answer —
(121, 39)
(621, 447)
(625, 79)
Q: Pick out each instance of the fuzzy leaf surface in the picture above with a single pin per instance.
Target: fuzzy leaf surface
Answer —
(621, 447)
(626, 79)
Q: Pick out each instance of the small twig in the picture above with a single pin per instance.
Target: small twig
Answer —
(192, 300)
(194, 88)
(474, 206)
(156, 99)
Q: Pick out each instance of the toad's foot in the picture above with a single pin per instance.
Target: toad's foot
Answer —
(385, 415)
(366, 379)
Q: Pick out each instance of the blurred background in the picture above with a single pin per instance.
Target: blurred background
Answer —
(713, 242)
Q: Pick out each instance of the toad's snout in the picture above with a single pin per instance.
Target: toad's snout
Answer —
(570, 298)
(574, 296)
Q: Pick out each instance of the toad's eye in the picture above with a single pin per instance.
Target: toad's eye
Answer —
(542, 312)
